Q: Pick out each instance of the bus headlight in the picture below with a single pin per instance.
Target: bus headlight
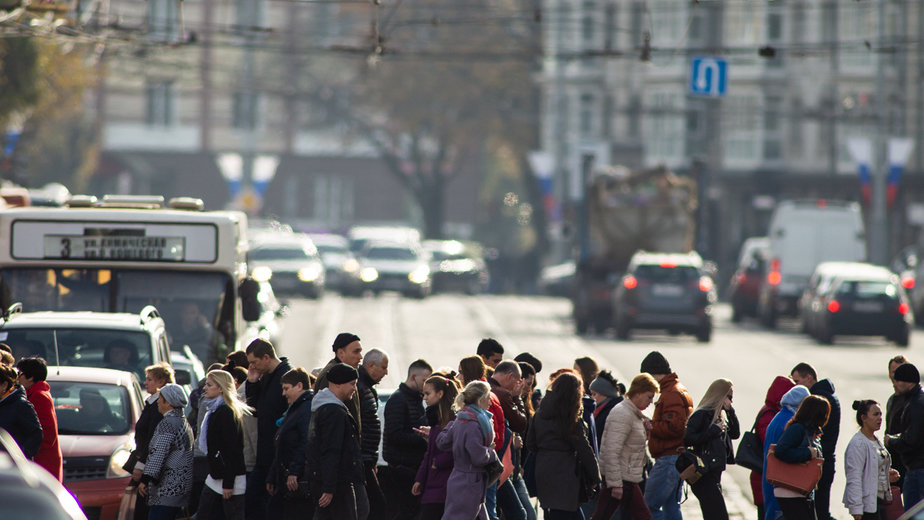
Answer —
(369, 274)
(309, 274)
(117, 460)
(419, 275)
(262, 273)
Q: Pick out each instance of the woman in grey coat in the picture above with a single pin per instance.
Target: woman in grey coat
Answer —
(471, 438)
(167, 477)
(566, 468)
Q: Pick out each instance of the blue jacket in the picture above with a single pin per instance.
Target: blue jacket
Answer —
(795, 445)
(791, 401)
(292, 442)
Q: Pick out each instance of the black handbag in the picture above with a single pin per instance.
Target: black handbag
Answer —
(690, 466)
(750, 453)
(302, 493)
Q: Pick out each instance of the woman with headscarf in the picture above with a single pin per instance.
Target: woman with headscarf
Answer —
(166, 480)
(710, 430)
(221, 437)
(566, 467)
(470, 437)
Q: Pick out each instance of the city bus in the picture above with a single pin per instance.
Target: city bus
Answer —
(124, 253)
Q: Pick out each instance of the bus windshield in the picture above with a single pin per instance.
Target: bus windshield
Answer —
(194, 305)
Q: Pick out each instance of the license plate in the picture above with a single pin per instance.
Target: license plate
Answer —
(393, 284)
(867, 307)
(666, 290)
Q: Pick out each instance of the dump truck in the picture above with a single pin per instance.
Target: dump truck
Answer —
(626, 211)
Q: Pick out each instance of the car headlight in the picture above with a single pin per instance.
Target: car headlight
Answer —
(117, 460)
(369, 274)
(262, 273)
(351, 265)
(419, 275)
(309, 274)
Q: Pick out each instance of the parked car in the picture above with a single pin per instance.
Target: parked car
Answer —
(120, 340)
(97, 409)
(456, 266)
(395, 266)
(802, 235)
(819, 285)
(341, 270)
(866, 302)
(289, 261)
(744, 290)
(28, 491)
(670, 291)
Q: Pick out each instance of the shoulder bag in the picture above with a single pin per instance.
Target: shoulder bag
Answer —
(750, 452)
(801, 477)
(691, 466)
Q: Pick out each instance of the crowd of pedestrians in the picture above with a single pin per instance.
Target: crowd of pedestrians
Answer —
(484, 439)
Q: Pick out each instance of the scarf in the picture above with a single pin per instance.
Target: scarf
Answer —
(473, 413)
(210, 405)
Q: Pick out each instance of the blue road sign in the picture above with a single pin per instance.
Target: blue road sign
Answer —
(708, 76)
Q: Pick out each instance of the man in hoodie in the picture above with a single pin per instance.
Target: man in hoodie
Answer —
(334, 457)
(803, 374)
(790, 403)
(17, 416)
(32, 374)
(668, 425)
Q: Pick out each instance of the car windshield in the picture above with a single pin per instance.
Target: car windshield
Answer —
(101, 348)
(278, 253)
(867, 290)
(391, 253)
(666, 274)
(91, 408)
(330, 249)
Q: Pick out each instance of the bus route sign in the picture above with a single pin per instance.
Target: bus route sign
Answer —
(115, 247)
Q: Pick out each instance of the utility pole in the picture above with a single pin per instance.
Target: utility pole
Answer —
(561, 127)
(879, 224)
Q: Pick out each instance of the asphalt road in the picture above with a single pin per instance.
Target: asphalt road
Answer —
(444, 328)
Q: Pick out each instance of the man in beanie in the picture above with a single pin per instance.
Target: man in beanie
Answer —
(264, 394)
(910, 442)
(334, 459)
(347, 351)
(668, 425)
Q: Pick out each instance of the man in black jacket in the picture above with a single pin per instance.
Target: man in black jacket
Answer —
(291, 447)
(404, 447)
(349, 351)
(373, 369)
(910, 442)
(264, 394)
(334, 460)
(893, 412)
(803, 374)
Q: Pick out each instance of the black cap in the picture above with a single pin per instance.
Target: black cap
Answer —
(655, 363)
(340, 374)
(343, 339)
(907, 373)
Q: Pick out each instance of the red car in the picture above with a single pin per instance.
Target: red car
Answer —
(744, 290)
(97, 409)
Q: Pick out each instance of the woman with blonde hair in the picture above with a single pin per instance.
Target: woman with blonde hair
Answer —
(470, 437)
(710, 430)
(221, 437)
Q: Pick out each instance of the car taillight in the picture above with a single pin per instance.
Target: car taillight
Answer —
(668, 265)
(742, 278)
(833, 306)
(630, 282)
(903, 308)
(908, 282)
(774, 277)
(705, 284)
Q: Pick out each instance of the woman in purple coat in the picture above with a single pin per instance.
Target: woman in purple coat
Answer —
(471, 438)
(430, 484)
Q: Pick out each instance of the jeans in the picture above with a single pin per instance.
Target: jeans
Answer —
(520, 485)
(663, 489)
(490, 501)
(163, 513)
(508, 502)
(913, 488)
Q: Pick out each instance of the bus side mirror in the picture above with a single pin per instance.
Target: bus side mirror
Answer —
(250, 306)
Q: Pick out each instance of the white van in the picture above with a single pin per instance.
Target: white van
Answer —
(802, 235)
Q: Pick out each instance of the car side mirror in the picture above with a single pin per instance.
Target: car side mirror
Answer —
(183, 377)
(250, 306)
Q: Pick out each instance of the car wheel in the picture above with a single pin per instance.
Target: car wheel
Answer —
(704, 334)
(736, 314)
(902, 339)
(581, 326)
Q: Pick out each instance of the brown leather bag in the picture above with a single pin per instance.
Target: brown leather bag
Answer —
(801, 477)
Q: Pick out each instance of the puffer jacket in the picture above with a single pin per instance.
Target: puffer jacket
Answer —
(404, 411)
(369, 416)
(669, 421)
(622, 453)
(18, 418)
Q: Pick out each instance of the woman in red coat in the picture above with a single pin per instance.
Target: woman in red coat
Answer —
(772, 405)
(32, 374)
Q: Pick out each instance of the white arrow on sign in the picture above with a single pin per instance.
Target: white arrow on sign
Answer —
(701, 82)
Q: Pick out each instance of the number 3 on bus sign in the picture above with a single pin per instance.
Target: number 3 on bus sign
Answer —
(65, 248)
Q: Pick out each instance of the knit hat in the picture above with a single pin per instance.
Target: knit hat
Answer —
(654, 363)
(174, 394)
(343, 339)
(604, 387)
(341, 374)
(907, 373)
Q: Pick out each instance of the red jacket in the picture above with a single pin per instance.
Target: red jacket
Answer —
(775, 393)
(49, 454)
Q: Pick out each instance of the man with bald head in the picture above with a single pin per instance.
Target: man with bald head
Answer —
(373, 368)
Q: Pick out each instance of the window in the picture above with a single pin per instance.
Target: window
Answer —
(609, 30)
(248, 13)
(740, 126)
(162, 20)
(795, 128)
(666, 123)
(161, 105)
(588, 18)
(586, 125)
(245, 114)
(773, 146)
(857, 24)
(774, 36)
